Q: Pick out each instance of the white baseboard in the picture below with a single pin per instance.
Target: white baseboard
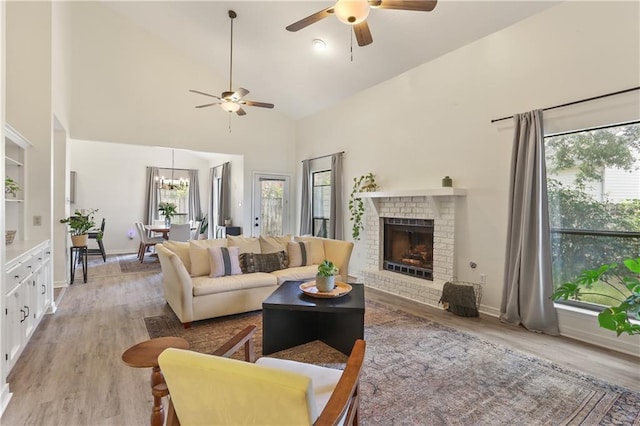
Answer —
(5, 397)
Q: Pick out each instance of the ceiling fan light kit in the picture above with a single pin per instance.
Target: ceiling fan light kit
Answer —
(351, 12)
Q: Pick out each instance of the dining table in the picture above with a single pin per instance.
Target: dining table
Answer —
(161, 229)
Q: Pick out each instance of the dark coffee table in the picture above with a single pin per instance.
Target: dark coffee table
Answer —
(291, 318)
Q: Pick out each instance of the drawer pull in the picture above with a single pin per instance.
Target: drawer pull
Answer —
(44, 289)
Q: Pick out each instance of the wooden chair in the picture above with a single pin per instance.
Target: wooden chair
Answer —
(145, 241)
(212, 389)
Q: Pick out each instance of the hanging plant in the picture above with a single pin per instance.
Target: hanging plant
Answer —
(365, 183)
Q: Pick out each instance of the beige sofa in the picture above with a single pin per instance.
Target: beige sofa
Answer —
(194, 292)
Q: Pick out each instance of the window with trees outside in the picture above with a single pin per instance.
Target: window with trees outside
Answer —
(593, 186)
(321, 201)
(175, 189)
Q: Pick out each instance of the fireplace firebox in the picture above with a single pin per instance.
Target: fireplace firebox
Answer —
(408, 247)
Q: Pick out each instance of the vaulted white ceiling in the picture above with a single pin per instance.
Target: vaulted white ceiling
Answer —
(281, 67)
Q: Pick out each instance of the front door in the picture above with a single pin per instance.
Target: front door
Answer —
(270, 204)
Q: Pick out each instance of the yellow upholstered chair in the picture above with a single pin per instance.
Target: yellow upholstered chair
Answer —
(214, 390)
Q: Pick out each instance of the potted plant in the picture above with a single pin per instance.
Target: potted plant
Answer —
(11, 187)
(168, 210)
(614, 283)
(79, 225)
(365, 183)
(326, 276)
(204, 227)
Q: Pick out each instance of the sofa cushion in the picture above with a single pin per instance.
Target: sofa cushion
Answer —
(298, 253)
(316, 249)
(259, 262)
(301, 273)
(199, 255)
(224, 261)
(245, 244)
(206, 285)
(181, 249)
(274, 244)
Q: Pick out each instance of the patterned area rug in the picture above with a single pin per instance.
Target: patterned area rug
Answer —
(419, 372)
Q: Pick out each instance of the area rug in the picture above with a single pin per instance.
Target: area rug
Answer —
(419, 372)
(131, 264)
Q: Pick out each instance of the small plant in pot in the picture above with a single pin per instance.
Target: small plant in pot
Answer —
(79, 225)
(326, 276)
(11, 187)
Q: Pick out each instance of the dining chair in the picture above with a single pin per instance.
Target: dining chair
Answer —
(213, 389)
(145, 241)
(93, 235)
(180, 232)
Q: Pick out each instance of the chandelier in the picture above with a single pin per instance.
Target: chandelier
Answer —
(173, 184)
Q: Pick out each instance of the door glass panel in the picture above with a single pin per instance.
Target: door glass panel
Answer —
(272, 207)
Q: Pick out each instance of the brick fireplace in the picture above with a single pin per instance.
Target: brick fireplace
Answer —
(436, 207)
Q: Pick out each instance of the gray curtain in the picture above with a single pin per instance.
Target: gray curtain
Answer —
(195, 211)
(527, 280)
(152, 195)
(336, 224)
(306, 211)
(213, 224)
(224, 195)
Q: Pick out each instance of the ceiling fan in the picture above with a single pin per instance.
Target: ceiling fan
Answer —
(355, 12)
(231, 101)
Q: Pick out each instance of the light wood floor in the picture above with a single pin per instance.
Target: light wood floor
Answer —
(71, 372)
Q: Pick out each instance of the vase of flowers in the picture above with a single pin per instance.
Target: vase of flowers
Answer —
(168, 210)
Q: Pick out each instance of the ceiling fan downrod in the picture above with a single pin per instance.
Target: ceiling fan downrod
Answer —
(233, 15)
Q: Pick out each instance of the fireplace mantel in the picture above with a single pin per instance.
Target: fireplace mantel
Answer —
(433, 195)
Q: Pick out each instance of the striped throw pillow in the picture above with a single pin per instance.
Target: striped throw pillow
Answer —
(224, 261)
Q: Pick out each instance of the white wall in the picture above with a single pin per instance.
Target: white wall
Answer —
(111, 177)
(28, 97)
(437, 120)
(130, 87)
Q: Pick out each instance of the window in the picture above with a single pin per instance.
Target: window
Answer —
(321, 201)
(175, 189)
(593, 185)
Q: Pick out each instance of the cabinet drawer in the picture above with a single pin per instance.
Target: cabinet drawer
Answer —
(14, 276)
(31, 264)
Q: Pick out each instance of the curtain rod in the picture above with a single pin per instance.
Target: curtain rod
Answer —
(174, 168)
(220, 165)
(323, 156)
(576, 102)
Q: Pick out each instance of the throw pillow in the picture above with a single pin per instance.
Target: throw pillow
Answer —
(199, 255)
(316, 249)
(245, 244)
(298, 252)
(274, 244)
(224, 261)
(257, 262)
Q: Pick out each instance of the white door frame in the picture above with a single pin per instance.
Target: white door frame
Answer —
(256, 201)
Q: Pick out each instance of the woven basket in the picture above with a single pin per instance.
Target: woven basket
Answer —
(9, 236)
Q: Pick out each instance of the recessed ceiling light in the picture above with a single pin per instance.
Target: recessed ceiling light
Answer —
(318, 44)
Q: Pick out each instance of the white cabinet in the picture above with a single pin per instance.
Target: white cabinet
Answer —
(27, 298)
